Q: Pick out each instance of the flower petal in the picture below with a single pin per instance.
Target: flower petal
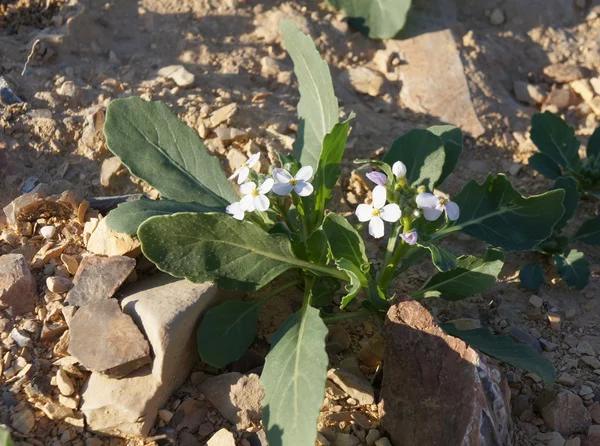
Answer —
(234, 174)
(452, 210)
(282, 188)
(431, 214)
(410, 238)
(378, 178)
(391, 213)
(233, 208)
(427, 200)
(376, 228)
(266, 187)
(243, 174)
(281, 175)
(247, 203)
(364, 212)
(303, 188)
(304, 174)
(253, 159)
(248, 188)
(399, 169)
(261, 203)
(379, 197)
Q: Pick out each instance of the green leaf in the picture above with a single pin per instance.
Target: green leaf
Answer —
(227, 331)
(574, 269)
(357, 280)
(413, 256)
(318, 106)
(237, 255)
(294, 380)
(317, 247)
(500, 216)
(378, 19)
(323, 290)
(532, 276)
(556, 139)
(569, 184)
(5, 439)
(344, 241)
(443, 259)
(128, 216)
(472, 275)
(423, 154)
(452, 138)
(544, 165)
(593, 147)
(505, 349)
(589, 232)
(168, 155)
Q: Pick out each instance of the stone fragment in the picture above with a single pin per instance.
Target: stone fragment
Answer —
(592, 361)
(383, 442)
(358, 388)
(338, 339)
(31, 206)
(98, 278)
(109, 170)
(167, 310)
(573, 442)
(59, 285)
(586, 348)
(106, 242)
(342, 439)
(64, 383)
(190, 414)
(48, 231)
(566, 380)
(530, 94)
(547, 346)
(566, 414)
(594, 411)
(18, 290)
(20, 337)
(269, 67)
(450, 376)
(558, 98)
(371, 354)
(593, 436)
(584, 89)
(595, 83)
(237, 397)
(222, 438)
(497, 17)
(372, 436)
(563, 73)
(364, 80)
(178, 74)
(54, 411)
(222, 114)
(230, 134)
(106, 341)
(23, 421)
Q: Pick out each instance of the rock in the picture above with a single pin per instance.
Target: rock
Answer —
(530, 94)
(566, 380)
(338, 339)
(547, 346)
(269, 67)
(558, 98)
(48, 232)
(372, 436)
(229, 134)
(98, 278)
(20, 338)
(7, 97)
(371, 354)
(167, 310)
(364, 80)
(237, 397)
(64, 383)
(358, 388)
(594, 411)
(445, 373)
(23, 421)
(520, 404)
(342, 439)
(586, 348)
(104, 241)
(187, 439)
(59, 285)
(109, 170)
(566, 414)
(497, 17)
(106, 341)
(222, 114)
(260, 438)
(554, 439)
(591, 361)
(222, 438)
(573, 442)
(563, 73)
(383, 442)
(523, 337)
(595, 83)
(70, 90)
(178, 74)
(593, 436)
(18, 290)
(190, 414)
(584, 89)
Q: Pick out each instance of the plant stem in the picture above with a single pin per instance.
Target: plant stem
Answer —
(390, 246)
(401, 250)
(345, 316)
(277, 291)
(308, 284)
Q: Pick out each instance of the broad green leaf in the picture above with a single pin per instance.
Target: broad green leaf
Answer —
(318, 106)
(128, 216)
(168, 155)
(472, 275)
(452, 138)
(357, 280)
(443, 259)
(574, 268)
(593, 147)
(344, 241)
(226, 332)
(532, 276)
(423, 154)
(544, 165)
(555, 139)
(323, 291)
(570, 201)
(378, 19)
(5, 439)
(237, 255)
(413, 256)
(589, 232)
(294, 380)
(505, 349)
(317, 247)
(497, 214)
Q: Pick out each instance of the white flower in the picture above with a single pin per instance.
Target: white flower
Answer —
(235, 210)
(410, 237)
(243, 171)
(399, 169)
(377, 212)
(299, 184)
(254, 198)
(433, 206)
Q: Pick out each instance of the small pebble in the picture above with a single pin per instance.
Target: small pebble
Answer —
(48, 231)
(58, 284)
(497, 17)
(64, 383)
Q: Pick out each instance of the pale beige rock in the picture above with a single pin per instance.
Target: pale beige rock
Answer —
(57, 284)
(18, 290)
(64, 383)
(269, 67)
(595, 82)
(104, 241)
(178, 74)
(23, 421)
(358, 388)
(109, 170)
(583, 88)
(222, 114)
(222, 438)
(364, 80)
(229, 134)
(530, 94)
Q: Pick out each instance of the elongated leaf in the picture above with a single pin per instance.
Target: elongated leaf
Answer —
(357, 279)
(544, 165)
(472, 275)
(532, 276)
(130, 215)
(574, 268)
(237, 255)
(423, 154)
(294, 380)
(318, 106)
(443, 259)
(378, 19)
(227, 331)
(168, 155)
(500, 216)
(593, 147)
(555, 139)
(452, 138)
(344, 241)
(589, 232)
(505, 349)
(570, 201)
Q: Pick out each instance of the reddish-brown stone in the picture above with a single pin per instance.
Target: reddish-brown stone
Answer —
(18, 290)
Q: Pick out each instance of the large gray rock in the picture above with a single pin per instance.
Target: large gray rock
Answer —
(18, 290)
(167, 310)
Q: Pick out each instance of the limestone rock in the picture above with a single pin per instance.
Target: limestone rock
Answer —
(178, 74)
(269, 67)
(109, 170)
(167, 310)
(530, 94)
(18, 290)
(567, 414)
(222, 114)
(57, 284)
(563, 73)
(98, 278)
(104, 241)
(358, 388)
(229, 134)
(222, 438)
(106, 341)
(365, 80)
(441, 375)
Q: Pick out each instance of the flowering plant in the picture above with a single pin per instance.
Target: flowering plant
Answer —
(201, 229)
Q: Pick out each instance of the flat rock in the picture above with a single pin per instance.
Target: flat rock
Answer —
(178, 74)
(104, 241)
(593, 437)
(229, 134)
(98, 278)
(18, 290)
(31, 206)
(528, 93)
(364, 80)
(358, 388)
(566, 414)
(167, 310)
(222, 438)
(222, 114)
(563, 73)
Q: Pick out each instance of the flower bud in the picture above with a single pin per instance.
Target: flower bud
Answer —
(399, 169)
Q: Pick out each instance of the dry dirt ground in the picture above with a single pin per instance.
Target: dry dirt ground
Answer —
(106, 50)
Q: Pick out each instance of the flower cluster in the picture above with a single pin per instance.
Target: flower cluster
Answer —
(254, 196)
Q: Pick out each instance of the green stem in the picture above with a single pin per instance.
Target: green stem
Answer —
(308, 284)
(277, 291)
(345, 316)
(390, 246)
(388, 272)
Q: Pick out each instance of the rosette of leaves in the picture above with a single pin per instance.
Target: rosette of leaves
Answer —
(187, 234)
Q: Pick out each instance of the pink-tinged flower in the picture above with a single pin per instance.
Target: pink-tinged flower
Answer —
(254, 198)
(378, 178)
(243, 171)
(433, 206)
(399, 169)
(378, 212)
(410, 237)
(286, 183)
(235, 210)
